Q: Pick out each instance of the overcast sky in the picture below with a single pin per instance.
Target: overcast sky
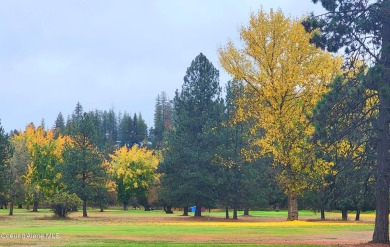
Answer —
(110, 54)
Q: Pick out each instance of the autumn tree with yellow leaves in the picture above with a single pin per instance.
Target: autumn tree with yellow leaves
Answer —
(44, 153)
(287, 75)
(133, 170)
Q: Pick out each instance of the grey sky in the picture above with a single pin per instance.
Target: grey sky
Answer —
(110, 54)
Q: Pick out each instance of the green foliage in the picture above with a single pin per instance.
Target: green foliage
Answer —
(350, 24)
(133, 170)
(83, 171)
(237, 175)
(162, 119)
(363, 28)
(6, 153)
(189, 170)
(63, 203)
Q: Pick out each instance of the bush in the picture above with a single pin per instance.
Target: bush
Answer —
(63, 203)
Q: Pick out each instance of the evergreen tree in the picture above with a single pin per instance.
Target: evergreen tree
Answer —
(189, 166)
(19, 165)
(125, 128)
(83, 172)
(238, 175)
(362, 28)
(59, 125)
(142, 130)
(345, 136)
(134, 131)
(6, 153)
(162, 118)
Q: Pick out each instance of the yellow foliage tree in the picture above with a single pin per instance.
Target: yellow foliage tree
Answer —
(44, 153)
(286, 76)
(133, 170)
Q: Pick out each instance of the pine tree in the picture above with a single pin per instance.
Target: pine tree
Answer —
(188, 167)
(83, 172)
(125, 128)
(162, 118)
(6, 153)
(59, 125)
(362, 28)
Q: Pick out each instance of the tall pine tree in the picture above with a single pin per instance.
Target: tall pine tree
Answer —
(188, 167)
(362, 28)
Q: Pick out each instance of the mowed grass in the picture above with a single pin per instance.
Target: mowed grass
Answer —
(155, 228)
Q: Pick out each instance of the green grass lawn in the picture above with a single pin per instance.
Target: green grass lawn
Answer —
(139, 228)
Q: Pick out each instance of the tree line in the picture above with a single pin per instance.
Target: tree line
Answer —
(296, 126)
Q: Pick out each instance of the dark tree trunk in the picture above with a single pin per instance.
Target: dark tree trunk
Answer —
(35, 206)
(168, 209)
(227, 213)
(85, 208)
(11, 207)
(344, 214)
(357, 218)
(322, 213)
(246, 211)
(125, 206)
(185, 211)
(20, 206)
(144, 203)
(235, 213)
(292, 207)
(381, 230)
(198, 211)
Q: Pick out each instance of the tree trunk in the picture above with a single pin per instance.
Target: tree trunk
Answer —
(198, 211)
(185, 211)
(227, 213)
(235, 213)
(125, 206)
(168, 209)
(246, 211)
(357, 218)
(322, 213)
(381, 230)
(292, 207)
(35, 206)
(85, 208)
(11, 207)
(344, 214)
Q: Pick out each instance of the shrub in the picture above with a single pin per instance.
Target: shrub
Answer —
(63, 203)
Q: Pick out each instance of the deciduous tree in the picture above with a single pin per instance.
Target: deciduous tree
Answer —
(133, 170)
(288, 76)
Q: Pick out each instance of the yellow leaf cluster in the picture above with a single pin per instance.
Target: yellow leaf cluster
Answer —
(135, 166)
(44, 152)
(285, 77)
